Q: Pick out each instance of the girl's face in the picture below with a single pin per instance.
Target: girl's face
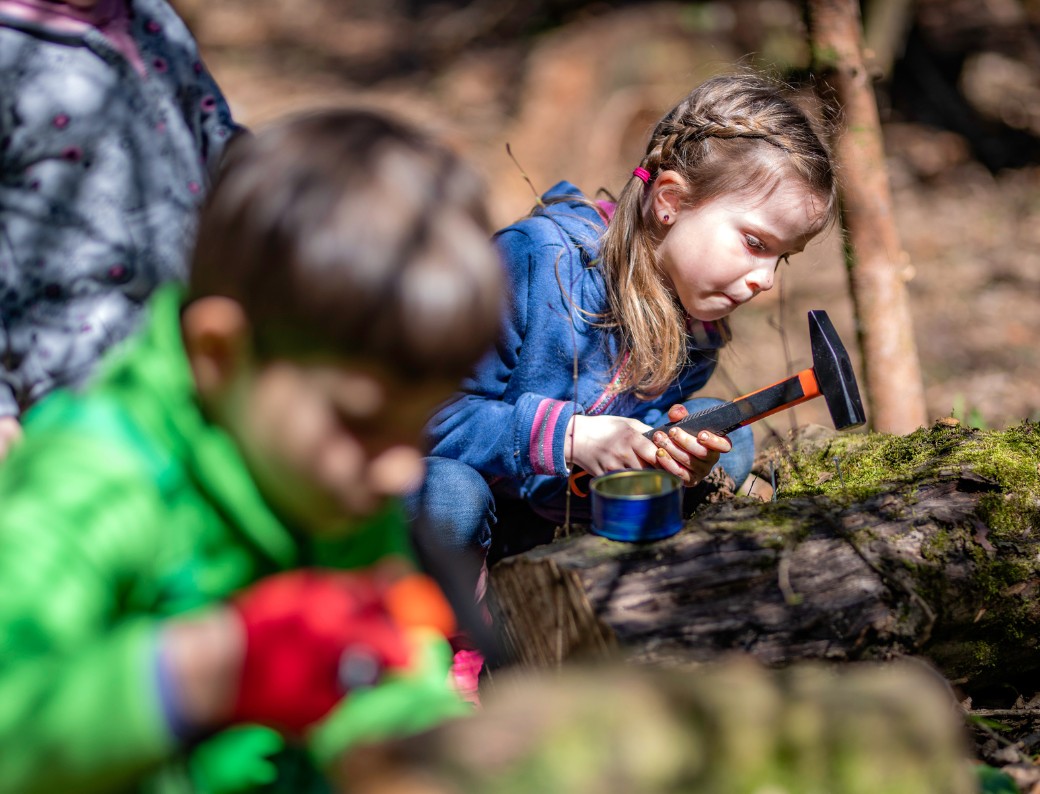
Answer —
(721, 254)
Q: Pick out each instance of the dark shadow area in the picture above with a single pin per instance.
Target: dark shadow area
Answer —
(928, 82)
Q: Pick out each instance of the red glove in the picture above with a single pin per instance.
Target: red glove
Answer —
(313, 635)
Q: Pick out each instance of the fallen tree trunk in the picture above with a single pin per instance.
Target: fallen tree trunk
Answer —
(925, 544)
(733, 727)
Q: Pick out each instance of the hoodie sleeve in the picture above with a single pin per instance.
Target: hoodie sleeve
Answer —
(205, 108)
(518, 436)
(217, 128)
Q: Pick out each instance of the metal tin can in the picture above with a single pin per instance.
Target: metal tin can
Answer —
(637, 505)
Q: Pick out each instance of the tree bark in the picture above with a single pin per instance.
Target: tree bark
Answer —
(911, 570)
(878, 265)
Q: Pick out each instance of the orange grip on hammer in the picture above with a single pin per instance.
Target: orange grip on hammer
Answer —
(810, 389)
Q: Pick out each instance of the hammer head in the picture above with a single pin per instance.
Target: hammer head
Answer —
(834, 375)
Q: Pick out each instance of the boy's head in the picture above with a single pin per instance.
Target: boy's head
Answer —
(342, 283)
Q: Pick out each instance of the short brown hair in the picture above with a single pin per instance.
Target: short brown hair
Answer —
(352, 234)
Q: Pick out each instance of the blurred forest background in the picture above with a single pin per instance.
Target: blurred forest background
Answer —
(574, 86)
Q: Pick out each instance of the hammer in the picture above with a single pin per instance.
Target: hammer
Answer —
(830, 376)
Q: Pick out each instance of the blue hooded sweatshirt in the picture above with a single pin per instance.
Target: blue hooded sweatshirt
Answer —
(552, 360)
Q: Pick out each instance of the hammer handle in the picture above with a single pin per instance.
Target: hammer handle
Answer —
(727, 417)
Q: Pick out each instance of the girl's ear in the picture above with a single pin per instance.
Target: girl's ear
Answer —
(217, 340)
(669, 189)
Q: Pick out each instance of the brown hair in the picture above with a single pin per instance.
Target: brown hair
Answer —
(731, 133)
(352, 234)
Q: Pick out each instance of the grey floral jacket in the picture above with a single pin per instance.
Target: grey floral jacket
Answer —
(102, 170)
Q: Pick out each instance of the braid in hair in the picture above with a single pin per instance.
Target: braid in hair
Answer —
(731, 133)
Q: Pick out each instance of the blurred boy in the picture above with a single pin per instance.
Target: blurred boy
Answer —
(169, 540)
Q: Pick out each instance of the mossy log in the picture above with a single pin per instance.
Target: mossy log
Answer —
(877, 546)
(734, 727)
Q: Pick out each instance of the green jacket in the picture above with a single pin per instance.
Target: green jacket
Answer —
(121, 507)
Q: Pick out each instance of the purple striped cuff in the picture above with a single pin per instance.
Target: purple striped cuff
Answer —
(543, 436)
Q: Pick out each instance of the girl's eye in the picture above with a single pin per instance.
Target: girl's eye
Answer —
(754, 243)
(783, 259)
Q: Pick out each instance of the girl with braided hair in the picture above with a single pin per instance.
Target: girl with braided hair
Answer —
(618, 313)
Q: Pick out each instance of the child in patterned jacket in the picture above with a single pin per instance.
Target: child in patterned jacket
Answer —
(110, 128)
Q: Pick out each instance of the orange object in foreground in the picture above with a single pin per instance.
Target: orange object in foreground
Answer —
(416, 601)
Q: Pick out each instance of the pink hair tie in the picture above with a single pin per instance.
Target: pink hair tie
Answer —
(642, 174)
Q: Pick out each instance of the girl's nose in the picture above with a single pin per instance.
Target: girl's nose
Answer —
(760, 280)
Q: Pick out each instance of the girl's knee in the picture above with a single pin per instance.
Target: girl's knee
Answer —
(739, 460)
(454, 482)
(456, 504)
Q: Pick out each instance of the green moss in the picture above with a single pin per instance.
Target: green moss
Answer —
(983, 654)
(824, 58)
(1001, 547)
(936, 547)
(857, 466)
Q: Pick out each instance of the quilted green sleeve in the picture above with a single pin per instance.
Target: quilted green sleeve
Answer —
(79, 708)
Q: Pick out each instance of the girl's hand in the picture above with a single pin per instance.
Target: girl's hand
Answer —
(600, 444)
(688, 457)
